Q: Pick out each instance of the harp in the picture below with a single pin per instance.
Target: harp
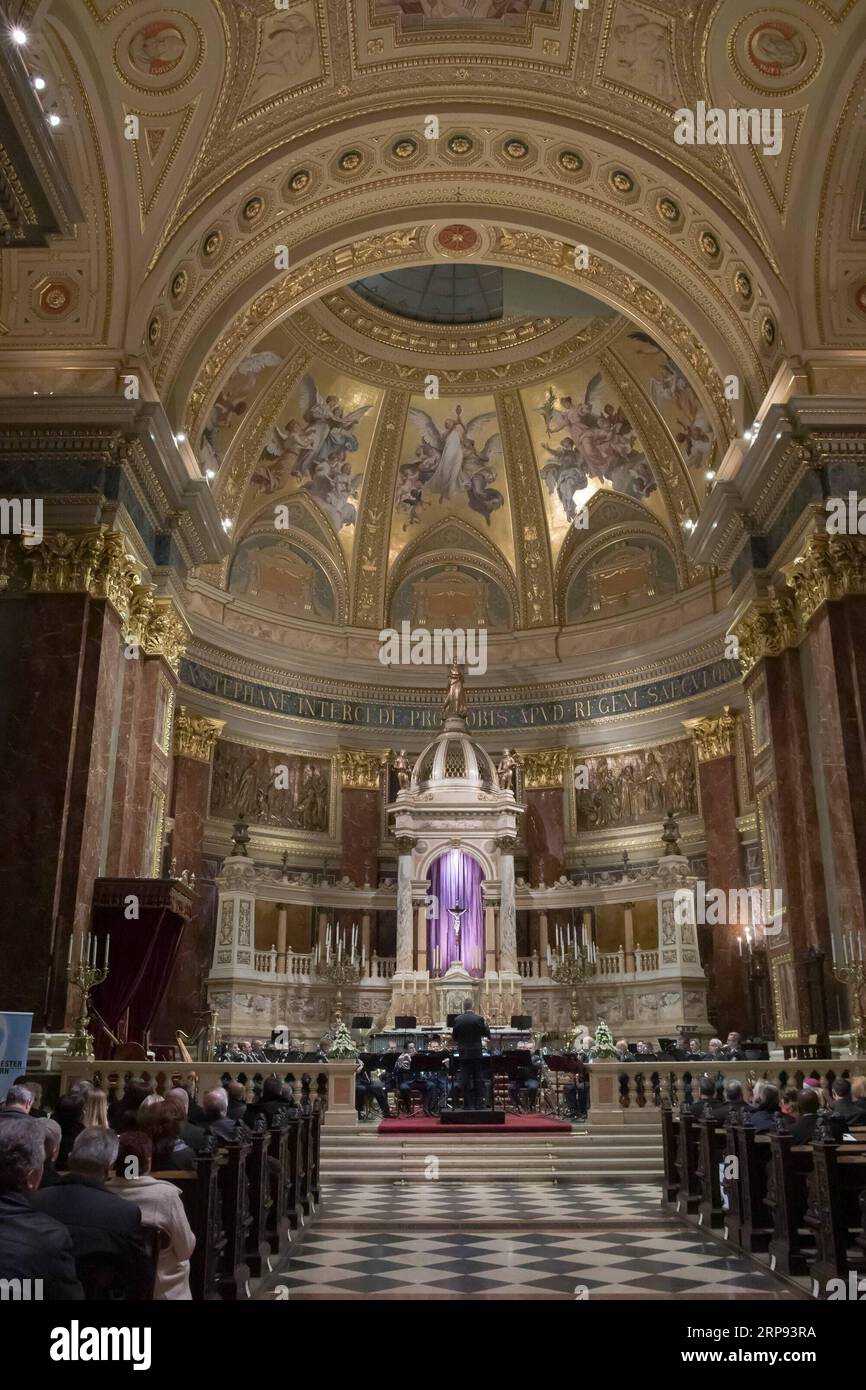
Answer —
(203, 1038)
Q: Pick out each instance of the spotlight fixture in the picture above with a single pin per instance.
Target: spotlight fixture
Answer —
(209, 474)
(748, 436)
(227, 523)
(711, 473)
(180, 437)
(54, 119)
(18, 36)
(39, 83)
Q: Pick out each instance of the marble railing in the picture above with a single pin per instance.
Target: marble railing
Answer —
(629, 1092)
(300, 966)
(609, 963)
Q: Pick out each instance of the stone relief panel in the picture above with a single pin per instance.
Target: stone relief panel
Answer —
(635, 787)
(271, 787)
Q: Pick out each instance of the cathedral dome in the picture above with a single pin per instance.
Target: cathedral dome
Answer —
(454, 760)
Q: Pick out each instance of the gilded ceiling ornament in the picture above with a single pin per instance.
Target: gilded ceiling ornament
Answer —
(710, 245)
(743, 285)
(300, 180)
(532, 549)
(543, 769)
(768, 330)
(253, 209)
(179, 284)
(516, 149)
(55, 298)
(370, 572)
(621, 181)
(154, 330)
(405, 148)
(350, 161)
(457, 239)
(362, 769)
(570, 162)
(714, 737)
(212, 243)
(460, 144)
(195, 736)
(860, 297)
(667, 210)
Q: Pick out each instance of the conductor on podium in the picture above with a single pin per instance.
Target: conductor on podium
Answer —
(468, 1030)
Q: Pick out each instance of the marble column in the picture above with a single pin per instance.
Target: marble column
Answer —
(507, 914)
(421, 936)
(282, 938)
(628, 932)
(489, 936)
(715, 749)
(543, 943)
(194, 741)
(405, 924)
(365, 937)
(544, 821)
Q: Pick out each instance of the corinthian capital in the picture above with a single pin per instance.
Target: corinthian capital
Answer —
(543, 769)
(714, 737)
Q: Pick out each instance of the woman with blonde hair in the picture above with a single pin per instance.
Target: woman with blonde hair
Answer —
(95, 1111)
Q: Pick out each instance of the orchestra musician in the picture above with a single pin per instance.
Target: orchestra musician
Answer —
(527, 1077)
(436, 1080)
(366, 1087)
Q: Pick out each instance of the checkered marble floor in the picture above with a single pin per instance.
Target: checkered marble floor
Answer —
(515, 1242)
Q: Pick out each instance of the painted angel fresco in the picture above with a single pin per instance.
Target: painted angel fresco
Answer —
(597, 444)
(231, 403)
(317, 446)
(448, 462)
(669, 386)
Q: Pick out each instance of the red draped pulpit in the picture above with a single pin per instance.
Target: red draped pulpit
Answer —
(145, 919)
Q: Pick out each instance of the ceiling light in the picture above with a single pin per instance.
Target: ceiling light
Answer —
(39, 83)
(180, 437)
(711, 473)
(54, 119)
(227, 523)
(748, 436)
(689, 524)
(209, 474)
(18, 35)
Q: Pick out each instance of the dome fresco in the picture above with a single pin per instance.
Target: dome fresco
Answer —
(307, 450)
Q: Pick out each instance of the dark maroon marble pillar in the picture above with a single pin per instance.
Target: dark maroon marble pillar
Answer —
(544, 831)
(361, 812)
(719, 951)
(62, 667)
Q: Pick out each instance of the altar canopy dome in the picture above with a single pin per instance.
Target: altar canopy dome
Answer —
(453, 761)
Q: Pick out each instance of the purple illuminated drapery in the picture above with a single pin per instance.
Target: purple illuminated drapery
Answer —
(455, 879)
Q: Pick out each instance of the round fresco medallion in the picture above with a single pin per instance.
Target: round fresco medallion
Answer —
(300, 180)
(350, 161)
(161, 50)
(457, 239)
(773, 53)
(459, 144)
(179, 284)
(570, 162)
(55, 298)
(667, 210)
(516, 149)
(860, 297)
(743, 285)
(212, 243)
(710, 244)
(768, 331)
(404, 149)
(621, 181)
(253, 209)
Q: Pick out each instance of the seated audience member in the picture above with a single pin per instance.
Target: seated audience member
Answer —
(715, 1050)
(161, 1207)
(194, 1111)
(52, 1136)
(804, 1125)
(765, 1114)
(237, 1103)
(858, 1096)
(694, 1053)
(192, 1135)
(35, 1089)
(623, 1051)
(32, 1244)
(733, 1048)
(161, 1121)
(106, 1231)
(708, 1106)
(18, 1104)
(271, 1103)
(842, 1104)
(216, 1104)
(789, 1102)
(735, 1100)
(123, 1112)
(95, 1112)
(68, 1115)
(645, 1052)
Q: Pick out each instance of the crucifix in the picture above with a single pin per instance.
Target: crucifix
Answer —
(457, 912)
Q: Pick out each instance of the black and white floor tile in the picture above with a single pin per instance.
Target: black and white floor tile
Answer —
(446, 1205)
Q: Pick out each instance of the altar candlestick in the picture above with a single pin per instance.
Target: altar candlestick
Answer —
(105, 962)
(69, 957)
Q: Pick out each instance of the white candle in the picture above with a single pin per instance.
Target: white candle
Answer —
(69, 957)
(548, 953)
(107, 940)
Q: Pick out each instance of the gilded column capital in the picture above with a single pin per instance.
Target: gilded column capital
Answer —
(543, 768)
(831, 567)
(714, 737)
(767, 627)
(167, 633)
(195, 736)
(361, 769)
(94, 562)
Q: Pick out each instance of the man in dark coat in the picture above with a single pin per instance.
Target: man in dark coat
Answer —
(468, 1030)
(32, 1245)
(216, 1122)
(105, 1230)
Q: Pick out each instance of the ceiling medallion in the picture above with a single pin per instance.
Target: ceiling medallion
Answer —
(179, 284)
(621, 181)
(516, 149)
(212, 243)
(55, 298)
(404, 149)
(768, 330)
(775, 54)
(160, 53)
(710, 245)
(667, 210)
(350, 161)
(569, 161)
(743, 285)
(457, 239)
(459, 144)
(154, 331)
(253, 209)
(301, 179)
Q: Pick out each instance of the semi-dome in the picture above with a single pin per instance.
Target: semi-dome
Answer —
(452, 760)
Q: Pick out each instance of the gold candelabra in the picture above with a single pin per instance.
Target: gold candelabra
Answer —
(338, 972)
(573, 967)
(851, 973)
(85, 974)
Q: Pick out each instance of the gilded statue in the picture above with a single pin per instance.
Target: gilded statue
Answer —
(403, 769)
(455, 700)
(506, 769)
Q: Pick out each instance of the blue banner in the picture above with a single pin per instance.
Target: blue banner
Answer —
(14, 1046)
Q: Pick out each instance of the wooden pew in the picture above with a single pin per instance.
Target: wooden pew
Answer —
(791, 1244)
(834, 1214)
(234, 1271)
(670, 1143)
(689, 1194)
(200, 1193)
(711, 1154)
(293, 1173)
(277, 1221)
(753, 1153)
(315, 1152)
(733, 1218)
(305, 1196)
(259, 1189)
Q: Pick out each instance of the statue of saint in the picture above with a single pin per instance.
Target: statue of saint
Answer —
(403, 769)
(505, 770)
(455, 700)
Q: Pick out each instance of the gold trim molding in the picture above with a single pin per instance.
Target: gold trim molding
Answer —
(361, 769)
(714, 737)
(543, 769)
(196, 736)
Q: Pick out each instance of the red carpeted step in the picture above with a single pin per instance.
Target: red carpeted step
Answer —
(514, 1124)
